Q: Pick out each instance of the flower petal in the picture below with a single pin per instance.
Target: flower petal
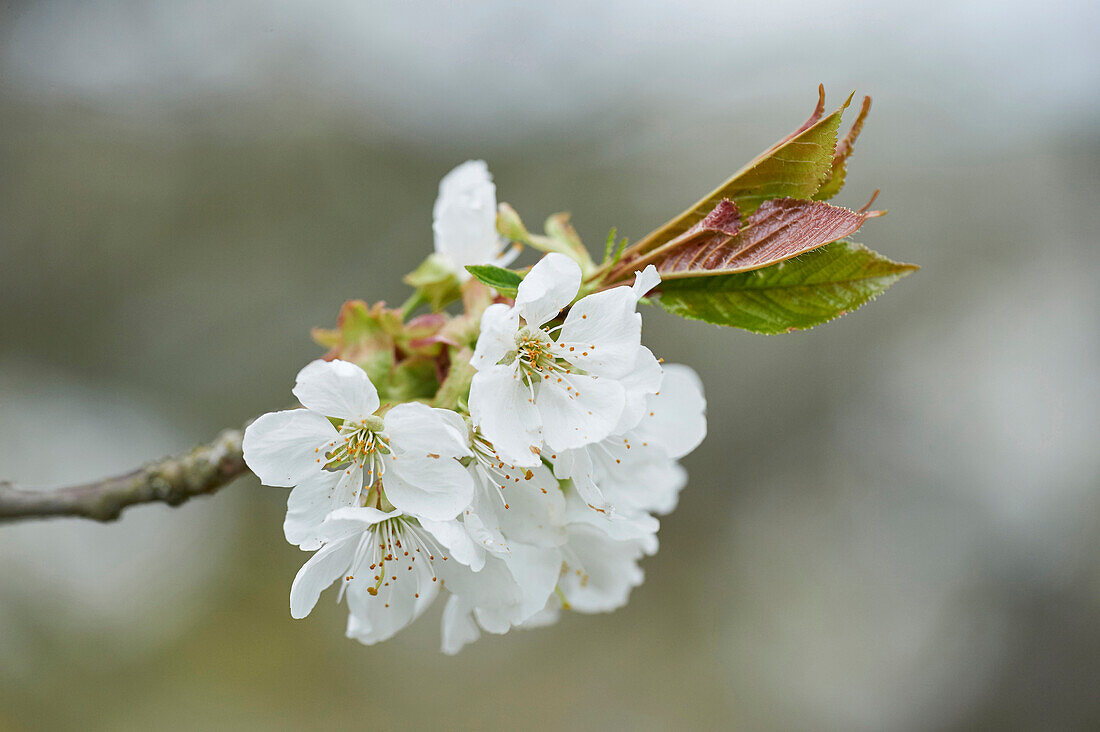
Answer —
(602, 333)
(336, 389)
(601, 571)
(456, 540)
(458, 627)
(499, 324)
(432, 488)
(501, 407)
(576, 465)
(351, 520)
(618, 525)
(311, 501)
(536, 509)
(464, 217)
(398, 602)
(578, 410)
(481, 518)
(416, 430)
(323, 568)
(643, 381)
(550, 285)
(282, 448)
(491, 593)
(535, 571)
(676, 419)
(645, 281)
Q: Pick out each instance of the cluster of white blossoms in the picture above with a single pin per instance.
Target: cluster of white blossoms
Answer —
(534, 491)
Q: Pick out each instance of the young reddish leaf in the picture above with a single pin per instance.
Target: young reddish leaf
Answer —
(795, 167)
(780, 229)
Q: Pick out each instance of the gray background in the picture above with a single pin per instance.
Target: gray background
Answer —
(893, 524)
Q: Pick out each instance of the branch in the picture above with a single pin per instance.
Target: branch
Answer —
(171, 480)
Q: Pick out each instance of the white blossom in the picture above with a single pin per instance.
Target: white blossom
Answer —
(406, 455)
(464, 220)
(388, 565)
(517, 519)
(636, 470)
(399, 501)
(533, 387)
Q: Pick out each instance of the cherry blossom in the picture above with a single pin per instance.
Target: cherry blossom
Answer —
(464, 220)
(343, 449)
(565, 389)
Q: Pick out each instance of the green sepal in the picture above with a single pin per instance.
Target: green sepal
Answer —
(435, 283)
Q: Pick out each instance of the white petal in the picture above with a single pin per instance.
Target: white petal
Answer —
(645, 281)
(601, 571)
(535, 571)
(482, 517)
(640, 528)
(375, 618)
(602, 333)
(348, 521)
(416, 430)
(282, 448)
(460, 432)
(643, 381)
(501, 407)
(509, 590)
(676, 419)
(578, 410)
(471, 175)
(459, 627)
(455, 539)
(310, 502)
(576, 464)
(432, 488)
(536, 509)
(547, 616)
(637, 479)
(656, 487)
(499, 324)
(492, 592)
(464, 218)
(323, 568)
(336, 389)
(550, 285)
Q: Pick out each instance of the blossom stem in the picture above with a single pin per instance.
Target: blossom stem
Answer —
(172, 480)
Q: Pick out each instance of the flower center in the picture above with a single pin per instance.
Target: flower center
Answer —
(536, 355)
(389, 550)
(360, 446)
(359, 443)
(500, 474)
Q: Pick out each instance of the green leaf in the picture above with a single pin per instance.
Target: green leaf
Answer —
(839, 170)
(793, 295)
(504, 281)
(794, 167)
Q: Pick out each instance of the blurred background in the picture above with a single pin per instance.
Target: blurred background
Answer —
(894, 523)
